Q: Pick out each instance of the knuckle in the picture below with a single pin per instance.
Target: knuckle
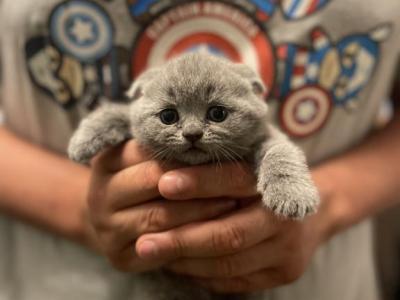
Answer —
(226, 268)
(99, 224)
(229, 239)
(154, 219)
(177, 246)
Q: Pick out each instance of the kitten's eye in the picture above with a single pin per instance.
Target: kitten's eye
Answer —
(217, 114)
(169, 116)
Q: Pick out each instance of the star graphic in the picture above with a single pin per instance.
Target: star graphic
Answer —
(204, 49)
(306, 111)
(82, 30)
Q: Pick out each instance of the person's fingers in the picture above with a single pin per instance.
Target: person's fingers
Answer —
(126, 225)
(122, 156)
(232, 179)
(134, 185)
(259, 281)
(265, 255)
(126, 260)
(129, 187)
(230, 234)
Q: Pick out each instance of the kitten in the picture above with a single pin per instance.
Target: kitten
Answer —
(200, 109)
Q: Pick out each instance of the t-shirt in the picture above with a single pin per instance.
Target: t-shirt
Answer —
(328, 66)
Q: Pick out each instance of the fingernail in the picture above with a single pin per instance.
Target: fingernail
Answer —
(147, 250)
(174, 184)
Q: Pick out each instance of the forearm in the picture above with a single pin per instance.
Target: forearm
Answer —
(362, 182)
(42, 188)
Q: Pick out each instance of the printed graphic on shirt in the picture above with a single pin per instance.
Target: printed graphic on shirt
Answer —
(212, 27)
(144, 11)
(81, 29)
(79, 59)
(66, 79)
(297, 9)
(57, 75)
(340, 70)
(305, 111)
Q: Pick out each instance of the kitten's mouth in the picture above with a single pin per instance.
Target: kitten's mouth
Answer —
(193, 155)
(194, 149)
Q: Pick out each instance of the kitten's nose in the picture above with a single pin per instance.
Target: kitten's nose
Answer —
(193, 136)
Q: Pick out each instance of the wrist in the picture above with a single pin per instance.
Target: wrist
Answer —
(82, 230)
(335, 212)
(76, 225)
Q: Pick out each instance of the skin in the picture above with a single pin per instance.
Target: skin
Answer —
(219, 249)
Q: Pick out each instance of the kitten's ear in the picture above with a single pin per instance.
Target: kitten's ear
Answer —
(136, 89)
(248, 73)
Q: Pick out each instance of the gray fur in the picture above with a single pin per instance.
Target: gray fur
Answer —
(107, 126)
(191, 84)
(284, 180)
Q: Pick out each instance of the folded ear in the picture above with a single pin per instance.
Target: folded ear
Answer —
(136, 89)
(248, 73)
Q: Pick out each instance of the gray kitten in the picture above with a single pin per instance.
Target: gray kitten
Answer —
(200, 109)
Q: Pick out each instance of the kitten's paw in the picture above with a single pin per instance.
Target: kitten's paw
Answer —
(82, 152)
(84, 146)
(289, 196)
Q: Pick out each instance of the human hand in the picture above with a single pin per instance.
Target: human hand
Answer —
(124, 202)
(245, 251)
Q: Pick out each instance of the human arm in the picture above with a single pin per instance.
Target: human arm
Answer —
(353, 186)
(49, 191)
(42, 188)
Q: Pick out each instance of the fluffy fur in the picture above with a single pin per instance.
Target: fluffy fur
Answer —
(191, 85)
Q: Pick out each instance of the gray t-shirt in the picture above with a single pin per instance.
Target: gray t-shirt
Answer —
(328, 65)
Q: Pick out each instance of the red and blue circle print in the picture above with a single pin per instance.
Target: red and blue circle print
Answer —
(210, 27)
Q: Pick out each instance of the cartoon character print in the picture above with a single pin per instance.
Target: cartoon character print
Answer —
(291, 9)
(324, 75)
(58, 75)
(297, 9)
(78, 59)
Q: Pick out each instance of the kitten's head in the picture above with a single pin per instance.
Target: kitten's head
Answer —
(198, 109)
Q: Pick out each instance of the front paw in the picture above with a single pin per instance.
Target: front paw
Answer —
(85, 144)
(289, 196)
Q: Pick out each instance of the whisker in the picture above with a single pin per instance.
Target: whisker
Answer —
(162, 155)
(235, 157)
(224, 153)
(219, 164)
